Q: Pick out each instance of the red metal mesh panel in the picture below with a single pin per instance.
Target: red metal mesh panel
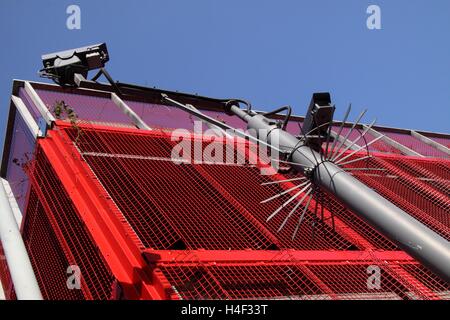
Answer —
(415, 144)
(46, 254)
(315, 231)
(432, 173)
(194, 283)
(171, 200)
(409, 193)
(297, 280)
(105, 152)
(243, 183)
(217, 206)
(152, 228)
(434, 283)
(71, 235)
(357, 224)
(5, 277)
(151, 192)
(350, 281)
(240, 282)
(253, 282)
(216, 211)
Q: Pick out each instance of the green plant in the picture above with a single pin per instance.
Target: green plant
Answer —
(63, 111)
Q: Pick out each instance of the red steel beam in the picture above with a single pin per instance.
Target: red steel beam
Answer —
(117, 247)
(272, 256)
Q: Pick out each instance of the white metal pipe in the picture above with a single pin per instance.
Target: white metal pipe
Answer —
(26, 116)
(137, 121)
(19, 265)
(2, 293)
(430, 142)
(393, 143)
(39, 104)
(12, 201)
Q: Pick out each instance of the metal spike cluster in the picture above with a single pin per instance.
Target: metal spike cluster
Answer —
(335, 152)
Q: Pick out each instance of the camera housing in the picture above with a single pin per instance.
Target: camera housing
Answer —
(62, 66)
(318, 119)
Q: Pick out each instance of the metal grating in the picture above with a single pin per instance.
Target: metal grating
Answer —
(350, 281)
(5, 278)
(216, 211)
(431, 173)
(70, 235)
(294, 280)
(162, 210)
(244, 185)
(438, 286)
(46, 254)
(415, 144)
(376, 239)
(241, 282)
(410, 193)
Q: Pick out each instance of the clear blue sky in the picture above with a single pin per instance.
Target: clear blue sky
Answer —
(270, 52)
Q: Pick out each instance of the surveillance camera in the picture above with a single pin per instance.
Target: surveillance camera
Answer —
(62, 66)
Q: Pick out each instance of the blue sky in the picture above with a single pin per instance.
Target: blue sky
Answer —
(269, 52)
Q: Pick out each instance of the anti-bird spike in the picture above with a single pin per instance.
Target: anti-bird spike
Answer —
(397, 225)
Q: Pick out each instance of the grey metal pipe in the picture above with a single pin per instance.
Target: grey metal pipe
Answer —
(409, 234)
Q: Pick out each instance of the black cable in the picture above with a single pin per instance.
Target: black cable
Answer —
(229, 102)
(286, 118)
